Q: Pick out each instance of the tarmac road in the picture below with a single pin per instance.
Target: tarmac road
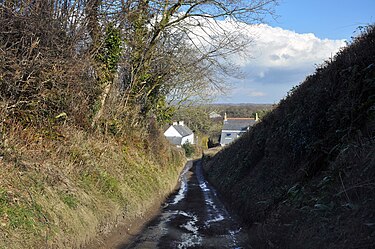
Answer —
(192, 217)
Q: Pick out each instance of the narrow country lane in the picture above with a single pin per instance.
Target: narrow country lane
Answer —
(193, 217)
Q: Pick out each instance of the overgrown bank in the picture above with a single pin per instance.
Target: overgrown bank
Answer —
(85, 87)
(304, 176)
(61, 192)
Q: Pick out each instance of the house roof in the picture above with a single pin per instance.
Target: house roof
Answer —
(183, 130)
(238, 124)
(214, 114)
(175, 140)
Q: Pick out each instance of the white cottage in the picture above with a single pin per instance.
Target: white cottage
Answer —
(179, 134)
(233, 128)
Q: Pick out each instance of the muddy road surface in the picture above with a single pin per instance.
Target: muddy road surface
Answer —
(193, 217)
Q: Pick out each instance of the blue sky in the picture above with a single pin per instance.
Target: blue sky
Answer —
(332, 19)
(286, 50)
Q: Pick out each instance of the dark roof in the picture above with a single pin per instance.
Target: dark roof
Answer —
(183, 130)
(238, 124)
(228, 137)
(175, 140)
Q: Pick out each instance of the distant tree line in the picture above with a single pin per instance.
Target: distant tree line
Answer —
(242, 110)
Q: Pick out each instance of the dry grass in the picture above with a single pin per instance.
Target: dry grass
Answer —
(62, 192)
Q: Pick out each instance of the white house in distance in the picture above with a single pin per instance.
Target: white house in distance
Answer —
(233, 128)
(178, 134)
(214, 115)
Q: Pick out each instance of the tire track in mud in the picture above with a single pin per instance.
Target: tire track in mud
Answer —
(192, 217)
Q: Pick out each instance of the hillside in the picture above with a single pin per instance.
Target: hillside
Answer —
(305, 176)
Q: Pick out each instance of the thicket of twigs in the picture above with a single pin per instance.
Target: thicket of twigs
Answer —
(101, 63)
(42, 73)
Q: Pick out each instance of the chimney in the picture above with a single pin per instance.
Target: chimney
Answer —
(174, 123)
(256, 117)
(181, 123)
(225, 116)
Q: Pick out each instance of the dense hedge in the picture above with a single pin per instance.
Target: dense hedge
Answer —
(305, 154)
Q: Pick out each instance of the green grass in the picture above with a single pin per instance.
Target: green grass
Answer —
(70, 200)
(50, 190)
(17, 213)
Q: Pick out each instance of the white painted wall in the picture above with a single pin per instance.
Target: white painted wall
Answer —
(189, 139)
(172, 132)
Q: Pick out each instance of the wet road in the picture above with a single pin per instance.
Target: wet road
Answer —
(193, 217)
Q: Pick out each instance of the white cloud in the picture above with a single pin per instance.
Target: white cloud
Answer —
(278, 60)
(262, 74)
(254, 93)
(275, 61)
(276, 47)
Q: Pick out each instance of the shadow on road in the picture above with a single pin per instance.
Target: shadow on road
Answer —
(192, 217)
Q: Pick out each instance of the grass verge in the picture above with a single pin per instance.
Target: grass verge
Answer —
(61, 193)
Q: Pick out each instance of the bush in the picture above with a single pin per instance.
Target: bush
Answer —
(189, 149)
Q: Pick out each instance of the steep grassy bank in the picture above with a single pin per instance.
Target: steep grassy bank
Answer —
(78, 151)
(61, 191)
(305, 176)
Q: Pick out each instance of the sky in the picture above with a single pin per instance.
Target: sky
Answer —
(291, 46)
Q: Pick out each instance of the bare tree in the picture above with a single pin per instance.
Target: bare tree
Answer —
(42, 73)
(170, 50)
(176, 48)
